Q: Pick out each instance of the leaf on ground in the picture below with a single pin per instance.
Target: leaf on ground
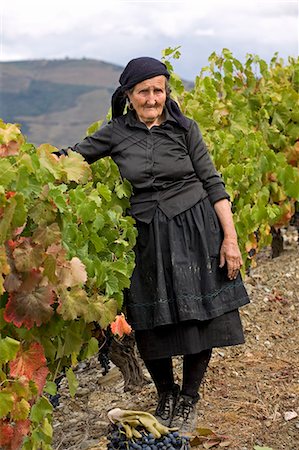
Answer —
(30, 308)
(27, 362)
(257, 447)
(211, 443)
(208, 439)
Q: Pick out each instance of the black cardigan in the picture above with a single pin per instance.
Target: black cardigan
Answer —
(168, 167)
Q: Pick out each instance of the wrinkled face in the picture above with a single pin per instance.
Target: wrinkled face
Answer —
(148, 99)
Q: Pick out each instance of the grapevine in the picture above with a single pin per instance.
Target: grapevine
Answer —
(66, 244)
(249, 116)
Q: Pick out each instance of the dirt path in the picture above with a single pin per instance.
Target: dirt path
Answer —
(251, 392)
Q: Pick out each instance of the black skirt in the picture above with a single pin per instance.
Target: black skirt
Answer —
(180, 301)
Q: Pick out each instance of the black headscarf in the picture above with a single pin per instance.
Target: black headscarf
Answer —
(137, 70)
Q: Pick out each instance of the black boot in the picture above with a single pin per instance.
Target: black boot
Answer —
(166, 405)
(185, 414)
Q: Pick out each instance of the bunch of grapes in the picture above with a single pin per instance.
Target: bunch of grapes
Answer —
(103, 355)
(172, 441)
(54, 399)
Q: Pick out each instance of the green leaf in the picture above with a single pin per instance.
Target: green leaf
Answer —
(104, 191)
(73, 338)
(102, 310)
(40, 410)
(72, 381)
(8, 349)
(20, 410)
(50, 388)
(257, 447)
(6, 220)
(7, 172)
(6, 403)
(87, 211)
(73, 303)
(95, 126)
(92, 348)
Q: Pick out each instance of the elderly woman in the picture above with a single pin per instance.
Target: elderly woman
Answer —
(186, 288)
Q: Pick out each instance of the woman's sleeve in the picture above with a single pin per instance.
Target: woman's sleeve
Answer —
(93, 147)
(203, 165)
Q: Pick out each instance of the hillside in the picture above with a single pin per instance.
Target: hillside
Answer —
(56, 100)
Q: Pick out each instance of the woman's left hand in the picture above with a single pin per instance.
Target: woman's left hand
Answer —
(231, 255)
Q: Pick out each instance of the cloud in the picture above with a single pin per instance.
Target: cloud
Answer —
(116, 31)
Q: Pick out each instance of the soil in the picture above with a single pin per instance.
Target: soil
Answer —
(250, 396)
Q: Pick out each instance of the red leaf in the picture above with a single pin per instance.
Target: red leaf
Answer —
(28, 362)
(10, 194)
(21, 429)
(29, 308)
(120, 326)
(6, 433)
(10, 149)
(39, 377)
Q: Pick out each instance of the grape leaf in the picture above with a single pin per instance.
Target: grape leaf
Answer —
(72, 273)
(49, 161)
(7, 172)
(28, 256)
(6, 433)
(20, 429)
(47, 235)
(72, 381)
(20, 410)
(10, 149)
(29, 308)
(120, 326)
(6, 220)
(73, 303)
(101, 310)
(12, 282)
(74, 168)
(8, 349)
(10, 132)
(27, 362)
(39, 377)
(6, 403)
(41, 409)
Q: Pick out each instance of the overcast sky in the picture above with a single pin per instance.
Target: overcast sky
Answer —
(117, 31)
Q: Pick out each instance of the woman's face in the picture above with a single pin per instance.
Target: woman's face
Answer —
(148, 99)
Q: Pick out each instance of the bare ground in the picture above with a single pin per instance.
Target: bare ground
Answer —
(250, 393)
